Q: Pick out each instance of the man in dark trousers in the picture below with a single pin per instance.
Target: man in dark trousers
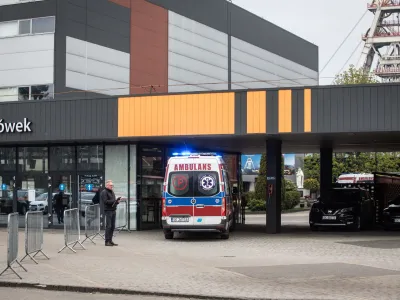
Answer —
(107, 197)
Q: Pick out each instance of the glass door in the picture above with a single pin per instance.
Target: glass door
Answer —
(62, 196)
(152, 179)
(88, 185)
(6, 196)
(32, 195)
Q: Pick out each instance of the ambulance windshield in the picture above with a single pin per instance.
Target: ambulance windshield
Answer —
(193, 184)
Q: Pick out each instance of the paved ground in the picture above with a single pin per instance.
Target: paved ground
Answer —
(25, 294)
(297, 264)
(291, 219)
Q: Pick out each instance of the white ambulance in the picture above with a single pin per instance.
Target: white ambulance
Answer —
(197, 195)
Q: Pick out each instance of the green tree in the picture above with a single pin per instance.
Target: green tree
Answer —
(354, 76)
(311, 166)
(261, 184)
(311, 184)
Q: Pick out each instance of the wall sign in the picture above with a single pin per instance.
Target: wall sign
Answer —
(12, 127)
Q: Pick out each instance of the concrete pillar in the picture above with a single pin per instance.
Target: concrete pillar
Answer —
(326, 157)
(274, 178)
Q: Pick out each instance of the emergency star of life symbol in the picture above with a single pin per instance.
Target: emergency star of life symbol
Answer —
(207, 182)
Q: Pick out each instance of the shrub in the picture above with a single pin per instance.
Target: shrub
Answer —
(256, 205)
(292, 198)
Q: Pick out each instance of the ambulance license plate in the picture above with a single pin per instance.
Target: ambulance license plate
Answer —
(180, 219)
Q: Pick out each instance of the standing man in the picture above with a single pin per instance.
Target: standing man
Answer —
(107, 197)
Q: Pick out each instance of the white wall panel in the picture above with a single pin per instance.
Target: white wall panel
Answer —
(93, 67)
(176, 87)
(258, 64)
(197, 54)
(8, 2)
(27, 60)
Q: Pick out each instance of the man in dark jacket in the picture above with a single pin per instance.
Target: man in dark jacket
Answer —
(107, 197)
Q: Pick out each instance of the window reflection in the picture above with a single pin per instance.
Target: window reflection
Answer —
(24, 93)
(62, 158)
(32, 159)
(8, 159)
(90, 158)
(40, 92)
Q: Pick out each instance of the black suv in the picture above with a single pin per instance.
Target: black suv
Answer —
(343, 207)
(391, 214)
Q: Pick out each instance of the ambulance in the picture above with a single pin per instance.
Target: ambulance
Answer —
(197, 195)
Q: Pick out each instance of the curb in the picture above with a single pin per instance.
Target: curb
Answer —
(99, 290)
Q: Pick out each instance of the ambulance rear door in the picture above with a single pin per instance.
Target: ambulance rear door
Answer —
(207, 192)
(179, 193)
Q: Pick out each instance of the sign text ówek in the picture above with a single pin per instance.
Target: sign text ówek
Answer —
(12, 127)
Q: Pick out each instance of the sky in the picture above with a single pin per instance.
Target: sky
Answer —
(322, 22)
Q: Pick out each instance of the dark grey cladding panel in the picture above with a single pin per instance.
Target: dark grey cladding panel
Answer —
(213, 13)
(62, 120)
(219, 14)
(28, 10)
(100, 22)
(259, 32)
(355, 108)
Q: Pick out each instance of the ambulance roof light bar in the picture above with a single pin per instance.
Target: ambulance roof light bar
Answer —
(187, 153)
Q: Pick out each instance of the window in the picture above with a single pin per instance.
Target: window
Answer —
(193, 184)
(206, 184)
(27, 27)
(36, 92)
(8, 94)
(8, 29)
(180, 184)
(43, 25)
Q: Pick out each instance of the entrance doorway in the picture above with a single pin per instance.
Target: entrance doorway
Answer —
(64, 184)
(32, 195)
(88, 185)
(152, 179)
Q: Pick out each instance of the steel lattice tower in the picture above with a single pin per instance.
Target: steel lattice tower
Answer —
(382, 41)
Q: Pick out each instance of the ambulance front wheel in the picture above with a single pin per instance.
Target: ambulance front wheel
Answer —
(168, 235)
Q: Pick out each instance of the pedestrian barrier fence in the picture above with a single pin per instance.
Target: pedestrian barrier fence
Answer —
(121, 218)
(34, 235)
(72, 232)
(92, 222)
(12, 244)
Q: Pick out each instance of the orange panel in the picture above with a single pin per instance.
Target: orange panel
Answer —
(257, 112)
(192, 114)
(285, 110)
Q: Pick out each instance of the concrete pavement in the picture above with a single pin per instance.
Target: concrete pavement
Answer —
(250, 265)
(29, 294)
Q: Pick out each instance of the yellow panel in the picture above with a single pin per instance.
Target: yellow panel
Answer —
(285, 110)
(192, 114)
(256, 112)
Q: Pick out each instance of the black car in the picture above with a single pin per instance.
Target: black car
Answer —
(391, 214)
(350, 208)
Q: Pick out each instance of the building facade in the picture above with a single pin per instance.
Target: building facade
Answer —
(81, 57)
(80, 48)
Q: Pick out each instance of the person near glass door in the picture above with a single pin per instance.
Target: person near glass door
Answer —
(110, 203)
(59, 207)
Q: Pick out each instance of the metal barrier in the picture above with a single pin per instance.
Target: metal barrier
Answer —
(92, 222)
(33, 235)
(12, 247)
(72, 232)
(121, 218)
